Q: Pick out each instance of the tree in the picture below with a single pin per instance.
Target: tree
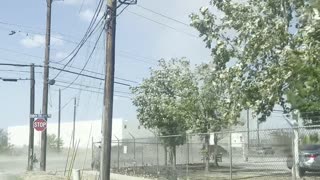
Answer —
(4, 141)
(215, 110)
(165, 102)
(52, 142)
(267, 50)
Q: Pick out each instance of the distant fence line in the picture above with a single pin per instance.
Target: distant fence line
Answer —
(264, 155)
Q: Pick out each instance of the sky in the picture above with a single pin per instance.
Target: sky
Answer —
(142, 38)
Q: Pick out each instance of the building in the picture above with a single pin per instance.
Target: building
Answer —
(85, 131)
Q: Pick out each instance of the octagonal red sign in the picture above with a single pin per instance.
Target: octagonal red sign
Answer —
(40, 124)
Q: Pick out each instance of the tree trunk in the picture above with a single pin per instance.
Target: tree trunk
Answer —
(170, 156)
(165, 155)
(174, 154)
(207, 153)
(216, 150)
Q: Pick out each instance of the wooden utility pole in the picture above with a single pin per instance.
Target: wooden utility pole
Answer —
(59, 121)
(108, 91)
(43, 155)
(31, 130)
(74, 121)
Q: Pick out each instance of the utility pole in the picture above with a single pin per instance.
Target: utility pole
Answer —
(74, 121)
(45, 88)
(108, 90)
(31, 130)
(59, 121)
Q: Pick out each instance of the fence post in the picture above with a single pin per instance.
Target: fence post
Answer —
(187, 156)
(142, 157)
(134, 151)
(118, 158)
(296, 152)
(157, 154)
(293, 169)
(92, 153)
(295, 145)
(230, 154)
(76, 174)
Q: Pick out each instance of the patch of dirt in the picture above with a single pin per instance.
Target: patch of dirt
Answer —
(42, 176)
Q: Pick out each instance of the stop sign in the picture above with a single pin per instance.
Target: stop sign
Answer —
(40, 124)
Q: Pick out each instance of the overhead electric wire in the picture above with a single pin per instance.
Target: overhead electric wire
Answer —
(59, 69)
(17, 52)
(89, 58)
(81, 6)
(18, 65)
(77, 51)
(163, 24)
(65, 105)
(86, 70)
(18, 79)
(17, 71)
(87, 35)
(86, 75)
(91, 91)
(89, 86)
(165, 16)
(88, 32)
(74, 42)
(123, 10)
(133, 58)
(73, 56)
(19, 25)
(131, 55)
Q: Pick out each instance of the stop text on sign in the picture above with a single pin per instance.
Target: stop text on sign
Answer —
(40, 124)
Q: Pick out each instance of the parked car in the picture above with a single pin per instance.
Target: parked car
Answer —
(309, 158)
(265, 151)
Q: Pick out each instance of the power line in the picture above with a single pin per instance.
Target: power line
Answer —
(123, 10)
(89, 30)
(10, 70)
(165, 16)
(89, 86)
(90, 91)
(87, 35)
(162, 24)
(86, 70)
(125, 54)
(17, 52)
(14, 79)
(81, 6)
(85, 75)
(66, 104)
(133, 58)
(136, 55)
(17, 65)
(64, 39)
(85, 65)
(59, 69)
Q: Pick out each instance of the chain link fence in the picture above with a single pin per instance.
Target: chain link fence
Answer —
(258, 154)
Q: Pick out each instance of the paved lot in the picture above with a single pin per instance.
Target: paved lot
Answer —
(261, 168)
